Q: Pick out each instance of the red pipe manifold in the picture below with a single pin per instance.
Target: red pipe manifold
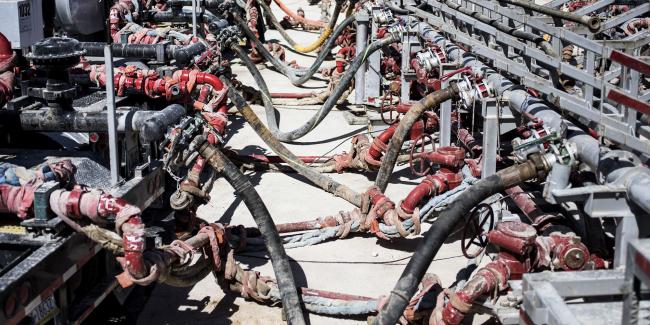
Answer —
(521, 251)
(181, 84)
(380, 143)
(449, 176)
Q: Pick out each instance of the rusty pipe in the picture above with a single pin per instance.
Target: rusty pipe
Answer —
(97, 206)
(526, 204)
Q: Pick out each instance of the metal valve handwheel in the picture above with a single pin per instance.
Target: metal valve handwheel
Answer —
(418, 149)
(475, 232)
(388, 108)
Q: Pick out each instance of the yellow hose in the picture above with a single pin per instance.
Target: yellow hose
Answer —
(327, 31)
(316, 44)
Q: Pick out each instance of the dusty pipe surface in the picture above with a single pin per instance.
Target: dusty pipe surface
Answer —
(150, 124)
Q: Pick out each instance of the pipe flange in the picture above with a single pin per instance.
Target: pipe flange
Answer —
(180, 200)
(517, 230)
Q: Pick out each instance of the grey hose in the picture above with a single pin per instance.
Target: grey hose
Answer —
(269, 14)
(297, 77)
(331, 101)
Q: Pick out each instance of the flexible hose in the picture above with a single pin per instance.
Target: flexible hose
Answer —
(395, 145)
(294, 16)
(447, 221)
(334, 96)
(297, 77)
(327, 31)
(324, 35)
(183, 16)
(322, 181)
(279, 260)
(183, 54)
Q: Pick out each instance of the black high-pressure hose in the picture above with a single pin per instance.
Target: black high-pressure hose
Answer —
(183, 54)
(322, 181)
(333, 98)
(180, 16)
(448, 220)
(279, 260)
(297, 77)
(395, 145)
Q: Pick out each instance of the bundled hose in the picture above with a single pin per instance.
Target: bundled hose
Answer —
(331, 101)
(447, 221)
(395, 145)
(245, 190)
(297, 77)
(303, 48)
(294, 16)
(322, 181)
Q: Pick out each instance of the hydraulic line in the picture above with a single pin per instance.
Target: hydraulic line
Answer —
(331, 100)
(297, 77)
(592, 22)
(447, 221)
(395, 145)
(322, 181)
(262, 217)
(183, 54)
(294, 16)
(184, 16)
(543, 44)
(327, 31)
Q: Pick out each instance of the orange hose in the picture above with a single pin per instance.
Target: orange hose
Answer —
(315, 23)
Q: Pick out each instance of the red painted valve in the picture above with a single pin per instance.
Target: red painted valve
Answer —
(418, 151)
(387, 107)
